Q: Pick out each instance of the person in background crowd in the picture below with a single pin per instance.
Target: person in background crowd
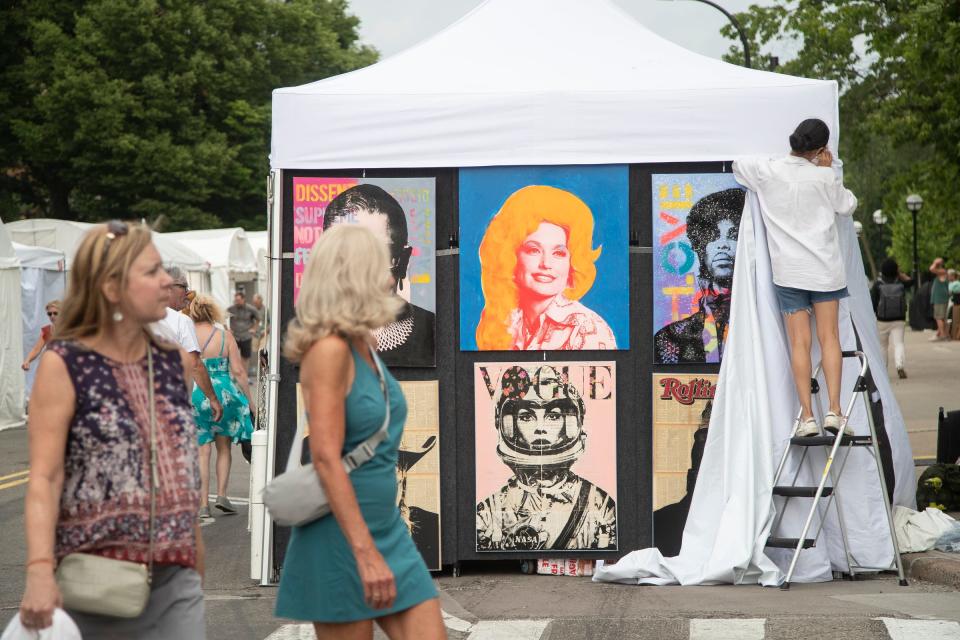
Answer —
(801, 196)
(939, 297)
(889, 296)
(53, 310)
(90, 471)
(264, 324)
(359, 564)
(953, 288)
(244, 323)
(221, 357)
(178, 329)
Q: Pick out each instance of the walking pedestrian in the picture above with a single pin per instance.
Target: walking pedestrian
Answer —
(800, 197)
(359, 564)
(889, 296)
(46, 333)
(939, 297)
(109, 402)
(221, 357)
(244, 323)
(953, 288)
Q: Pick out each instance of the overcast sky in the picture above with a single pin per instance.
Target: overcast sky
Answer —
(393, 25)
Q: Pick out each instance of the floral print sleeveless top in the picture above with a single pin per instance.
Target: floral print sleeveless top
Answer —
(105, 504)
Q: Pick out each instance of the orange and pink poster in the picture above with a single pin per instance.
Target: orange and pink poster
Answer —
(546, 455)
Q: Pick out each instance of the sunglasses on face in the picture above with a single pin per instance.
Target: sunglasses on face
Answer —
(52, 314)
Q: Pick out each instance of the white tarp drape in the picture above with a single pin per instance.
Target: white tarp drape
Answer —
(11, 336)
(732, 511)
(42, 280)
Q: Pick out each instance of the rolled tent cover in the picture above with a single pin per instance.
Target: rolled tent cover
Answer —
(542, 82)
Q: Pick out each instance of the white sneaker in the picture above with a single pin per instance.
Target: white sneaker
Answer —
(808, 428)
(831, 423)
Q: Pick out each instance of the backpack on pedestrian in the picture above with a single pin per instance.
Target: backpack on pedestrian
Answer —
(892, 301)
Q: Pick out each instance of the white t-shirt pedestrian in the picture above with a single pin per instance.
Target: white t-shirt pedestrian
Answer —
(179, 329)
(800, 201)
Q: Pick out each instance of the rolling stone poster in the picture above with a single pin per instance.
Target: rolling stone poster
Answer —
(696, 219)
(544, 258)
(402, 212)
(681, 417)
(418, 466)
(546, 472)
(418, 469)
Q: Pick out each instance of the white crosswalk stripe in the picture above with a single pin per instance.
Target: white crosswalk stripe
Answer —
(727, 629)
(900, 629)
(699, 629)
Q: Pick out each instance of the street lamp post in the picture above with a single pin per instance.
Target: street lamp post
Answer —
(736, 25)
(914, 204)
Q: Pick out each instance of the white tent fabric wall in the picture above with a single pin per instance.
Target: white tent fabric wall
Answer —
(229, 254)
(42, 280)
(731, 512)
(541, 82)
(260, 242)
(11, 336)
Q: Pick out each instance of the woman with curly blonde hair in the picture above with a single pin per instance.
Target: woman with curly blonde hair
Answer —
(536, 261)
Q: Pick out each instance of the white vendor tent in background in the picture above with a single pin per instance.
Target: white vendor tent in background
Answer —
(260, 243)
(43, 278)
(11, 336)
(573, 82)
(65, 236)
(230, 256)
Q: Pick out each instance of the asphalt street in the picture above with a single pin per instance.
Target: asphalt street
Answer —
(498, 602)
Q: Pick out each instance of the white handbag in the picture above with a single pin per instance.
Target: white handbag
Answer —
(296, 497)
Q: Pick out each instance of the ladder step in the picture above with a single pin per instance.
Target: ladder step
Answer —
(820, 441)
(801, 492)
(789, 543)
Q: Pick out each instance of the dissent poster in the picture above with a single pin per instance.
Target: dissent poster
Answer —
(403, 212)
(682, 404)
(546, 457)
(543, 258)
(418, 469)
(696, 221)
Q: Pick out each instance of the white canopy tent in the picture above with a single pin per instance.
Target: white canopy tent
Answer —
(11, 336)
(260, 243)
(229, 254)
(65, 236)
(42, 280)
(555, 82)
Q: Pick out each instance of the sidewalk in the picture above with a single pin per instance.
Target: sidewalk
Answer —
(933, 370)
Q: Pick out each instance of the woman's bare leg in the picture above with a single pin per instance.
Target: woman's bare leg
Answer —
(361, 630)
(204, 473)
(420, 622)
(828, 333)
(223, 464)
(798, 331)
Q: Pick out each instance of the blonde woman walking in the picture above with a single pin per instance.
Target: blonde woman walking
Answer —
(359, 564)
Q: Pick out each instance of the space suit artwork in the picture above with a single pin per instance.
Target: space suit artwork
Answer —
(542, 483)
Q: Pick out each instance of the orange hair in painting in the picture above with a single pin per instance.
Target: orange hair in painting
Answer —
(520, 216)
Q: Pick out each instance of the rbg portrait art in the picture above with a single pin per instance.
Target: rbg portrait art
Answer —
(546, 456)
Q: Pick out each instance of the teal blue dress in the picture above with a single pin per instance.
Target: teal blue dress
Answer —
(235, 422)
(319, 581)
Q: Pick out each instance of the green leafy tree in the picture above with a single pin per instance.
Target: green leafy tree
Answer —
(157, 108)
(895, 62)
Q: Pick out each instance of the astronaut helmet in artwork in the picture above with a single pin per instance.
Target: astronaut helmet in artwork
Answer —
(539, 416)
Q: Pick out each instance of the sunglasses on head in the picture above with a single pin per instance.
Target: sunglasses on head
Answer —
(115, 229)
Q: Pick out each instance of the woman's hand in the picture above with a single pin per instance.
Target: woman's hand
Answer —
(40, 598)
(379, 588)
(825, 158)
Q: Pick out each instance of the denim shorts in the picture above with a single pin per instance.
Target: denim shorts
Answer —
(792, 300)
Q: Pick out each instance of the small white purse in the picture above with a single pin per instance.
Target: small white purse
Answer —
(296, 497)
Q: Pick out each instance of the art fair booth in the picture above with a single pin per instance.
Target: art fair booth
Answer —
(43, 279)
(232, 261)
(565, 230)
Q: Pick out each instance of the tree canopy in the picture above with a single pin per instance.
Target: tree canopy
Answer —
(157, 108)
(896, 62)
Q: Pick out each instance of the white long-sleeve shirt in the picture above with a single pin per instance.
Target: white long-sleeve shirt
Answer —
(800, 201)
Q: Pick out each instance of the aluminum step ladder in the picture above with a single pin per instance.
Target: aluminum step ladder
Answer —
(832, 444)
